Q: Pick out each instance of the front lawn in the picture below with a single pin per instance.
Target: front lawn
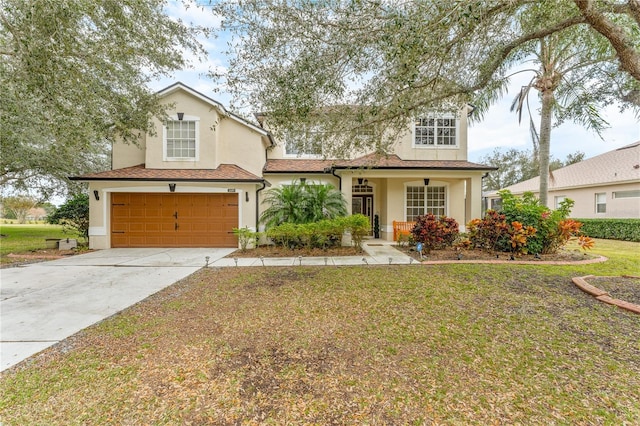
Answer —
(453, 344)
(25, 238)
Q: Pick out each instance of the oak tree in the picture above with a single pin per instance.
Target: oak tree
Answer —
(74, 76)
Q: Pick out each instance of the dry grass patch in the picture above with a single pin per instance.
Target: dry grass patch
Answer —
(454, 344)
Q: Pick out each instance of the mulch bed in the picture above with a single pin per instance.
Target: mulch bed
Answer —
(35, 256)
(476, 254)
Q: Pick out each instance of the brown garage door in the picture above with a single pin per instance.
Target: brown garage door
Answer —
(173, 220)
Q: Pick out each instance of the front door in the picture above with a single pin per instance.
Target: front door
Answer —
(363, 204)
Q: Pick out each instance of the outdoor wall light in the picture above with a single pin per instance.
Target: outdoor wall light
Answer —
(96, 195)
(246, 196)
(303, 180)
(360, 181)
(426, 182)
(172, 187)
(180, 116)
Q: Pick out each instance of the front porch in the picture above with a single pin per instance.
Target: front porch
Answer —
(397, 198)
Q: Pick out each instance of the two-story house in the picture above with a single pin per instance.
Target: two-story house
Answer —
(204, 172)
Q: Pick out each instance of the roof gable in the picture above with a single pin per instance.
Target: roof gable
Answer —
(212, 102)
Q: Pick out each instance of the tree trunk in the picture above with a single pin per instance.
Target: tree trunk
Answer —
(545, 144)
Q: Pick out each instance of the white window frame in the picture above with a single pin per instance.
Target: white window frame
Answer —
(186, 118)
(435, 117)
(631, 193)
(558, 199)
(600, 203)
(432, 184)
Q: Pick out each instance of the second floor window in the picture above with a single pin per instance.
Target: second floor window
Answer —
(181, 137)
(436, 131)
(304, 144)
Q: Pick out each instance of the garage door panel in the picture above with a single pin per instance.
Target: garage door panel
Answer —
(173, 220)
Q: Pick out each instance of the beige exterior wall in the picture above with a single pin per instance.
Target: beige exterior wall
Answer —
(221, 140)
(100, 210)
(585, 201)
(404, 146)
(128, 155)
(406, 149)
(238, 144)
(193, 109)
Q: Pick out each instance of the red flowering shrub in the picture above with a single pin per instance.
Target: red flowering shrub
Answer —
(433, 232)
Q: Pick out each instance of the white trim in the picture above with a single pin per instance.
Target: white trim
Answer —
(197, 139)
(106, 206)
(223, 111)
(447, 115)
(97, 231)
(597, 204)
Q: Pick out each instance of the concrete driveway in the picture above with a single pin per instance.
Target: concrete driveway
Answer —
(44, 303)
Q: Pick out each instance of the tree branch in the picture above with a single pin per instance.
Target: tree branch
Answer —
(628, 56)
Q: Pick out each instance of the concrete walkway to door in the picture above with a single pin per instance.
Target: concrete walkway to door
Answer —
(44, 303)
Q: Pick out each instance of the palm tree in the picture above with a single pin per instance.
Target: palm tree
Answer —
(284, 205)
(569, 87)
(300, 202)
(324, 202)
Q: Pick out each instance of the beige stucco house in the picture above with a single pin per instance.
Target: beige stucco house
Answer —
(604, 186)
(205, 170)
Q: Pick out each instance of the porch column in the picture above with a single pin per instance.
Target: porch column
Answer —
(473, 206)
(347, 183)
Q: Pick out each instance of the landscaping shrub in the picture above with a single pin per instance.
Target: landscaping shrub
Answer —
(73, 215)
(246, 237)
(490, 233)
(494, 233)
(323, 234)
(359, 227)
(612, 229)
(434, 232)
(553, 230)
(524, 226)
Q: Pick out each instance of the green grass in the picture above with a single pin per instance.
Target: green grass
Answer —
(445, 344)
(23, 238)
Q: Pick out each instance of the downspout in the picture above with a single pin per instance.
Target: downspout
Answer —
(333, 172)
(264, 185)
(483, 207)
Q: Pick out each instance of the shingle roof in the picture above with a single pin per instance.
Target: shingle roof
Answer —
(299, 165)
(618, 166)
(373, 161)
(225, 172)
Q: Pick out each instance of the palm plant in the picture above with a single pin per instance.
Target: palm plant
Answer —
(568, 78)
(302, 203)
(284, 205)
(323, 202)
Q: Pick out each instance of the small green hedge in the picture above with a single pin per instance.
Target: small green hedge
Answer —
(322, 234)
(612, 229)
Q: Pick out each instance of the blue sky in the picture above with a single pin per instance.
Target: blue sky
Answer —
(499, 129)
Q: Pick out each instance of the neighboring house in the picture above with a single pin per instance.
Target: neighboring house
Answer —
(37, 213)
(604, 186)
(205, 171)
